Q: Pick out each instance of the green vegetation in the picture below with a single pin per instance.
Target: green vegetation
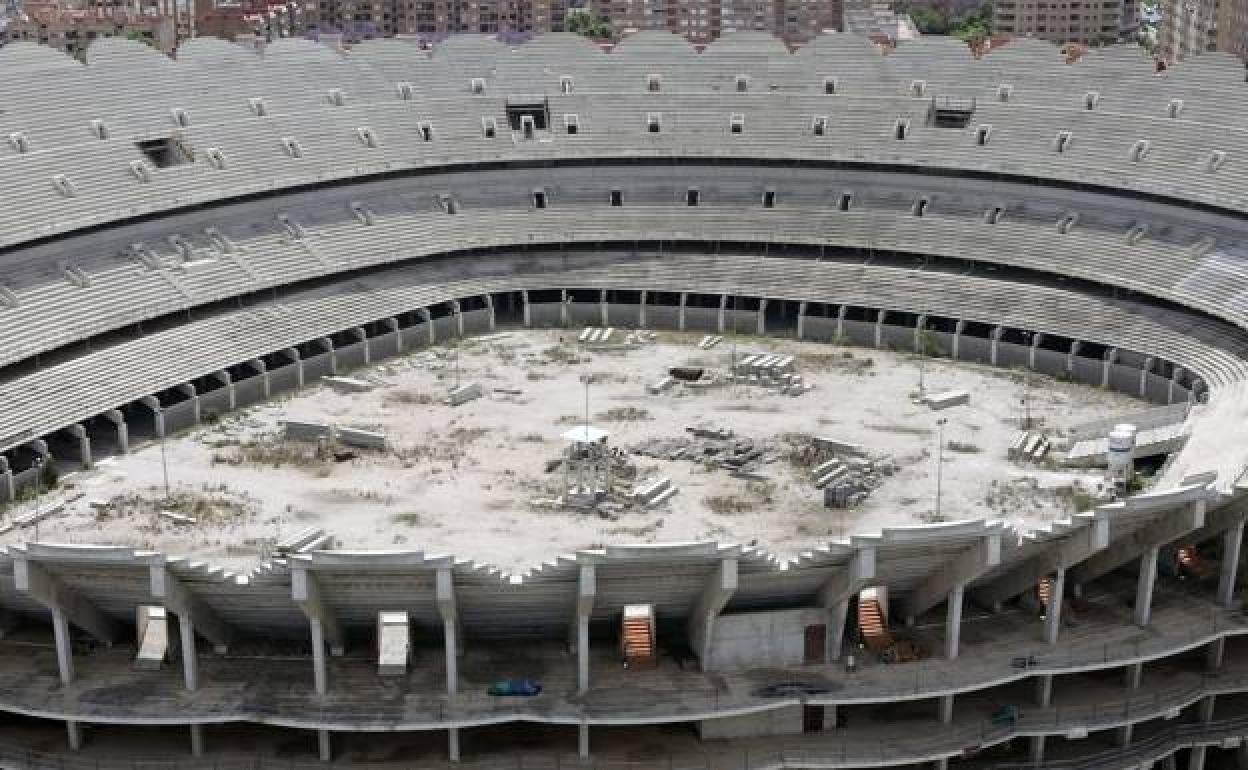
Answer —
(972, 26)
(593, 26)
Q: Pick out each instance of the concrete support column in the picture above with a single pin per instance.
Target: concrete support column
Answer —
(445, 593)
(837, 616)
(123, 431)
(723, 309)
(604, 316)
(323, 749)
(1207, 705)
(761, 323)
(297, 362)
(582, 741)
(995, 339)
(953, 622)
(1214, 654)
(426, 317)
(563, 307)
(1142, 388)
(879, 328)
(1044, 690)
(946, 709)
(458, 311)
(320, 671)
(1036, 752)
(392, 327)
(1133, 676)
(490, 314)
(1036, 339)
(192, 395)
(587, 589)
(190, 661)
(1173, 386)
(452, 744)
(1053, 613)
(1075, 345)
(64, 648)
(7, 490)
(1232, 542)
(1196, 758)
(1144, 586)
(84, 443)
(74, 731)
(197, 740)
(920, 324)
(228, 382)
(1111, 356)
(1241, 756)
(158, 413)
(958, 328)
(527, 309)
(1169, 762)
(684, 296)
(801, 319)
(840, 323)
(1122, 735)
(262, 371)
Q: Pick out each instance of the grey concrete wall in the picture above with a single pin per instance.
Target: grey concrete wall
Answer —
(701, 319)
(624, 315)
(248, 391)
(1050, 362)
(662, 317)
(350, 356)
(740, 321)
(819, 329)
(179, 416)
(975, 349)
(762, 639)
(781, 721)
(584, 314)
(1159, 389)
(315, 367)
(860, 333)
(383, 345)
(477, 321)
(283, 378)
(545, 313)
(25, 479)
(415, 337)
(446, 328)
(897, 337)
(939, 343)
(1088, 370)
(1010, 355)
(1125, 379)
(214, 401)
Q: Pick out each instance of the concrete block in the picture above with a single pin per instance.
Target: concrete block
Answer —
(655, 388)
(393, 643)
(348, 384)
(710, 341)
(947, 399)
(152, 631)
(464, 393)
(648, 491)
(306, 430)
(840, 447)
(299, 540)
(366, 439)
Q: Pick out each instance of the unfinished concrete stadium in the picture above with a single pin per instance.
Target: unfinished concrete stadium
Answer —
(544, 407)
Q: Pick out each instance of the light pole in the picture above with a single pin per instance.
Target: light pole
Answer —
(164, 462)
(1026, 400)
(38, 492)
(940, 459)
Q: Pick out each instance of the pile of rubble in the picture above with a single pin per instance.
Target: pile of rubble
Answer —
(850, 476)
(776, 372)
(713, 446)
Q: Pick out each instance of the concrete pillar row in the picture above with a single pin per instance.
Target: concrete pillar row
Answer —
(426, 317)
(1037, 749)
(1196, 758)
(262, 371)
(1144, 586)
(801, 319)
(158, 413)
(1143, 386)
(79, 432)
(1111, 357)
(74, 731)
(1173, 385)
(190, 659)
(723, 309)
(192, 394)
(1075, 346)
(1044, 690)
(761, 323)
(563, 307)
(64, 646)
(297, 361)
(684, 298)
(1232, 543)
(1215, 653)
(1053, 614)
(920, 325)
(1207, 705)
(879, 328)
(452, 744)
(604, 315)
(840, 322)
(995, 338)
(227, 382)
(392, 327)
(197, 740)
(958, 328)
(946, 709)
(7, 489)
(1036, 339)
(582, 741)
(528, 311)
(123, 431)
(323, 747)
(953, 622)
(641, 311)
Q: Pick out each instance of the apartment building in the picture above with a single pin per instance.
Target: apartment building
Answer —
(705, 20)
(73, 28)
(1066, 21)
(433, 18)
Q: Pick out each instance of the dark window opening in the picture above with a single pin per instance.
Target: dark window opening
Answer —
(426, 132)
(617, 198)
(691, 197)
(981, 136)
(845, 201)
(920, 207)
(538, 112)
(769, 199)
(539, 199)
(164, 152)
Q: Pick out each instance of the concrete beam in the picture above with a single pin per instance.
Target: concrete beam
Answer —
(178, 599)
(324, 626)
(719, 588)
(1090, 537)
(1232, 543)
(963, 569)
(33, 579)
(1166, 527)
(445, 591)
(1053, 613)
(587, 589)
(953, 622)
(1144, 584)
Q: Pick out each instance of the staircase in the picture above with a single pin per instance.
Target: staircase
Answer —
(637, 636)
(873, 626)
(1044, 592)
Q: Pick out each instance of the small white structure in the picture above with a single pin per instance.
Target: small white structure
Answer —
(586, 465)
(947, 399)
(463, 394)
(1120, 456)
(152, 631)
(348, 384)
(393, 643)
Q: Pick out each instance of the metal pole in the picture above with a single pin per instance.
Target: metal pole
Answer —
(38, 491)
(164, 462)
(940, 459)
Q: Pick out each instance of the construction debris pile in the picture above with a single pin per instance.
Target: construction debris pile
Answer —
(775, 372)
(1028, 445)
(844, 471)
(713, 446)
(600, 339)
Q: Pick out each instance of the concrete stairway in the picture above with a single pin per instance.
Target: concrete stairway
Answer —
(872, 624)
(637, 640)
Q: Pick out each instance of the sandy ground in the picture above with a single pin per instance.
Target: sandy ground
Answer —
(464, 480)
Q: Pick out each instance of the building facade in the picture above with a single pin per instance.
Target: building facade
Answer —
(1071, 21)
(433, 18)
(706, 20)
(1189, 27)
